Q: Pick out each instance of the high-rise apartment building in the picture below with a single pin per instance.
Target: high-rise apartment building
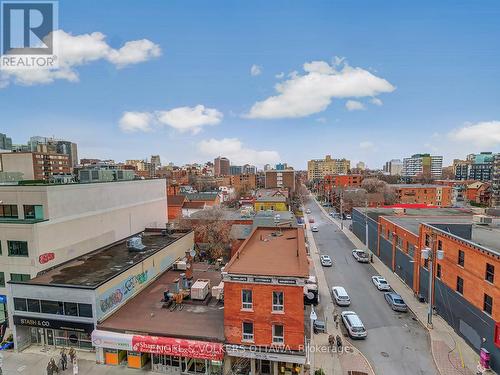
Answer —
(476, 167)
(424, 165)
(319, 168)
(36, 165)
(5, 142)
(54, 146)
(221, 166)
(235, 170)
(393, 167)
(495, 199)
(155, 161)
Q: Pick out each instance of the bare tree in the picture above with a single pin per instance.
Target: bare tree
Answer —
(211, 229)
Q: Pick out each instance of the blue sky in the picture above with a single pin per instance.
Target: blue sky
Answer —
(433, 69)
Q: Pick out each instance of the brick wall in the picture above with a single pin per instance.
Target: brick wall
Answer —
(262, 316)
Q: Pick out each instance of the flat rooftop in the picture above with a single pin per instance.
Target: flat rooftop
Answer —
(91, 270)
(271, 252)
(144, 313)
(374, 212)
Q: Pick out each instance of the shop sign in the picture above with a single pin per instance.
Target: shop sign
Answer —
(276, 356)
(238, 278)
(287, 281)
(47, 257)
(159, 345)
(262, 279)
(53, 324)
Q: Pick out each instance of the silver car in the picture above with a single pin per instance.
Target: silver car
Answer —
(395, 301)
(354, 325)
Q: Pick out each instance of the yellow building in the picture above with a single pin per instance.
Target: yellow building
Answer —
(319, 168)
(273, 203)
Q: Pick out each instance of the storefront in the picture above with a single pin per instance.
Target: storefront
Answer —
(160, 354)
(244, 361)
(60, 333)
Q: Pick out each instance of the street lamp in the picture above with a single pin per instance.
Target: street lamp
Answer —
(366, 231)
(428, 254)
(312, 318)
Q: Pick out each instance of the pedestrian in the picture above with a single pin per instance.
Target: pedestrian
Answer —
(50, 370)
(64, 359)
(72, 354)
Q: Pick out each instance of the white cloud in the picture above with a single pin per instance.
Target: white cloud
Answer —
(234, 149)
(183, 119)
(136, 121)
(190, 118)
(376, 101)
(481, 134)
(367, 145)
(354, 105)
(312, 92)
(256, 70)
(280, 75)
(78, 50)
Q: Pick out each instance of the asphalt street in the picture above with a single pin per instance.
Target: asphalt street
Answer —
(396, 343)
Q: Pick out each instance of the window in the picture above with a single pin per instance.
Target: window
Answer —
(17, 248)
(488, 304)
(52, 307)
(438, 271)
(2, 280)
(278, 301)
(490, 272)
(460, 285)
(70, 308)
(246, 298)
(19, 277)
(399, 242)
(461, 258)
(20, 304)
(440, 245)
(33, 305)
(247, 331)
(85, 310)
(8, 211)
(427, 240)
(33, 211)
(426, 263)
(411, 250)
(278, 334)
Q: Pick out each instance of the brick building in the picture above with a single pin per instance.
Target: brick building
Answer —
(343, 180)
(280, 179)
(466, 291)
(433, 195)
(264, 302)
(36, 165)
(174, 203)
(244, 182)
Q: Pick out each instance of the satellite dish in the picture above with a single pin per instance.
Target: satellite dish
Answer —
(192, 252)
(310, 295)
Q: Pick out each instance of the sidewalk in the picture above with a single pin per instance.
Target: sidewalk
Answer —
(332, 363)
(448, 349)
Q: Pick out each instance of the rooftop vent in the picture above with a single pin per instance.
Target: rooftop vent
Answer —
(482, 219)
(135, 244)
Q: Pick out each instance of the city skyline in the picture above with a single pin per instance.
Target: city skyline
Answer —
(378, 90)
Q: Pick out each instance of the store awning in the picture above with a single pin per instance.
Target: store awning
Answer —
(158, 345)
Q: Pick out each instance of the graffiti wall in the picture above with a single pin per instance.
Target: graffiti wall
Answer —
(114, 297)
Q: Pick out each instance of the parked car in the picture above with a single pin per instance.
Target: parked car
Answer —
(360, 255)
(326, 261)
(340, 295)
(395, 301)
(381, 283)
(348, 216)
(354, 325)
(311, 219)
(315, 228)
(308, 211)
(319, 326)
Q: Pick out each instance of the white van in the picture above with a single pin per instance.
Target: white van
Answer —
(340, 295)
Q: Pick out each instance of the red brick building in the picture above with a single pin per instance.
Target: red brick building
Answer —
(174, 204)
(343, 180)
(264, 301)
(244, 182)
(432, 195)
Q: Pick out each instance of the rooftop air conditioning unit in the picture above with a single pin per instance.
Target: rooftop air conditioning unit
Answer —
(135, 244)
(482, 219)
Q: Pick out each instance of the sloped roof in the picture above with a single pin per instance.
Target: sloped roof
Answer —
(175, 200)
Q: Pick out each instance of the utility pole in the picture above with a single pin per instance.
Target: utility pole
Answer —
(366, 231)
(431, 254)
(342, 209)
